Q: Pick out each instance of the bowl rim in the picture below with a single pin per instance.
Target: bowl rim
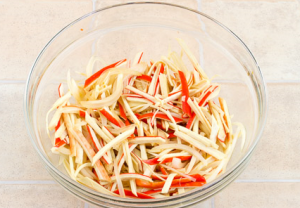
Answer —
(260, 126)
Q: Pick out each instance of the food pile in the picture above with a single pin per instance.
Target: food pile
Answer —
(143, 130)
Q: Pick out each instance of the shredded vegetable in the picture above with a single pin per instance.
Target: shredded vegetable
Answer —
(141, 130)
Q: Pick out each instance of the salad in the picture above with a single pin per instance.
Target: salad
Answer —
(143, 130)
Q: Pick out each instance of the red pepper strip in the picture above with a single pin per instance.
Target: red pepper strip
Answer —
(155, 161)
(58, 125)
(159, 115)
(137, 115)
(153, 191)
(206, 96)
(207, 89)
(140, 57)
(82, 114)
(136, 132)
(127, 123)
(57, 140)
(171, 135)
(59, 143)
(190, 184)
(144, 120)
(198, 177)
(163, 170)
(145, 77)
(121, 158)
(185, 94)
(170, 131)
(92, 78)
(122, 112)
(190, 121)
(162, 69)
(159, 126)
(156, 88)
(139, 195)
(160, 184)
(59, 90)
(154, 70)
(182, 158)
(110, 117)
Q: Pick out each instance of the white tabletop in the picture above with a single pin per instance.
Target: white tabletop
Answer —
(270, 28)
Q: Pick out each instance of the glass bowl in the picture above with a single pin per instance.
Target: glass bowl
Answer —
(120, 31)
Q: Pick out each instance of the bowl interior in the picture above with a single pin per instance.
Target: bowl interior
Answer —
(122, 31)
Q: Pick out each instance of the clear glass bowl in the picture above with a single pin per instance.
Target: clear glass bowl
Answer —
(120, 32)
